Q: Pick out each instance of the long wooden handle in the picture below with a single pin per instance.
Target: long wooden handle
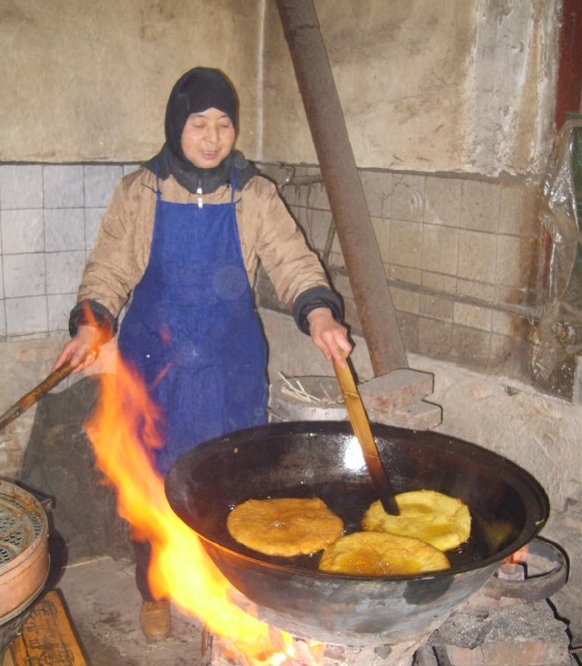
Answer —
(361, 426)
(37, 392)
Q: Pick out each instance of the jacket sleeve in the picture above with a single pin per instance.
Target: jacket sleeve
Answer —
(94, 314)
(316, 297)
(293, 267)
(118, 260)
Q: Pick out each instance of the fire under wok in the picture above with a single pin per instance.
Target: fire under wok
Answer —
(323, 459)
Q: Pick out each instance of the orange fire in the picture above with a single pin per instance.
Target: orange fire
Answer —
(180, 569)
(519, 557)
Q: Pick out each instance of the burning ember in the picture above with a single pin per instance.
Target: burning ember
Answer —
(180, 569)
(519, 557)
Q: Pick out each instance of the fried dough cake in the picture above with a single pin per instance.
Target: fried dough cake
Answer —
(381, 554)
(440, 520)
(284, 527)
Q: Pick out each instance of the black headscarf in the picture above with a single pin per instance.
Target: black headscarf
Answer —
(199, 89)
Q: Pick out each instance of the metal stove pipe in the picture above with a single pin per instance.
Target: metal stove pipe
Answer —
(342, 183)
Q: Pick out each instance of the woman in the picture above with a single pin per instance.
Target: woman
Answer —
(183, 236)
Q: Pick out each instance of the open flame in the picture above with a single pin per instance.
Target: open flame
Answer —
(519, 557)
(180, 569)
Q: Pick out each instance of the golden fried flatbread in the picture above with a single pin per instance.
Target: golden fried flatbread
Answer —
(284, 527)
(381, 554)
(438, 519)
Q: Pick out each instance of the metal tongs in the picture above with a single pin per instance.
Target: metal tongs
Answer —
(361, 427)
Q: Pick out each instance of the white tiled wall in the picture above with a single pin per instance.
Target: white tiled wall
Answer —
(460, 253)
(49, 216)
(458, 259)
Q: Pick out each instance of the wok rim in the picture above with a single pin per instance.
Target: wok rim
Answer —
(530, 530)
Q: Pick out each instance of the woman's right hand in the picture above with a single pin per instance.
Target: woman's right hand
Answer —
(82, 350)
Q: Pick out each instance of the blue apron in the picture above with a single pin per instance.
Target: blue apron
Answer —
(191, 329)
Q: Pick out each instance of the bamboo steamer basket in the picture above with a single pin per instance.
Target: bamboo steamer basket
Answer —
(24, 552)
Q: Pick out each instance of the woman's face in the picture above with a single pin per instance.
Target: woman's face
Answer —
(207, 138)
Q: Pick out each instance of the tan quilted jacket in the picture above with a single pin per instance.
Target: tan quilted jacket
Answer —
(267, 233)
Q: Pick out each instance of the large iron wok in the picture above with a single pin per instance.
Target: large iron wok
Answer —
(304, 459)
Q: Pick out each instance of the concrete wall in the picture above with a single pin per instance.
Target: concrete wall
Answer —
(90, 81)
(425, 86)
(468, 85)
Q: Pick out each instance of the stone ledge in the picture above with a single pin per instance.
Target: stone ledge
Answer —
(421, 415)
(396, 390)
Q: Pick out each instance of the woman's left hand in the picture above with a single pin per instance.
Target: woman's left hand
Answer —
(328, 336)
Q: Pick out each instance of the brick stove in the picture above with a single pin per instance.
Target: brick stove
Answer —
(218, 653)
(508, 622)
(330, 655)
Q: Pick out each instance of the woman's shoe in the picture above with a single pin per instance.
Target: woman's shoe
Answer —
(155, 619)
